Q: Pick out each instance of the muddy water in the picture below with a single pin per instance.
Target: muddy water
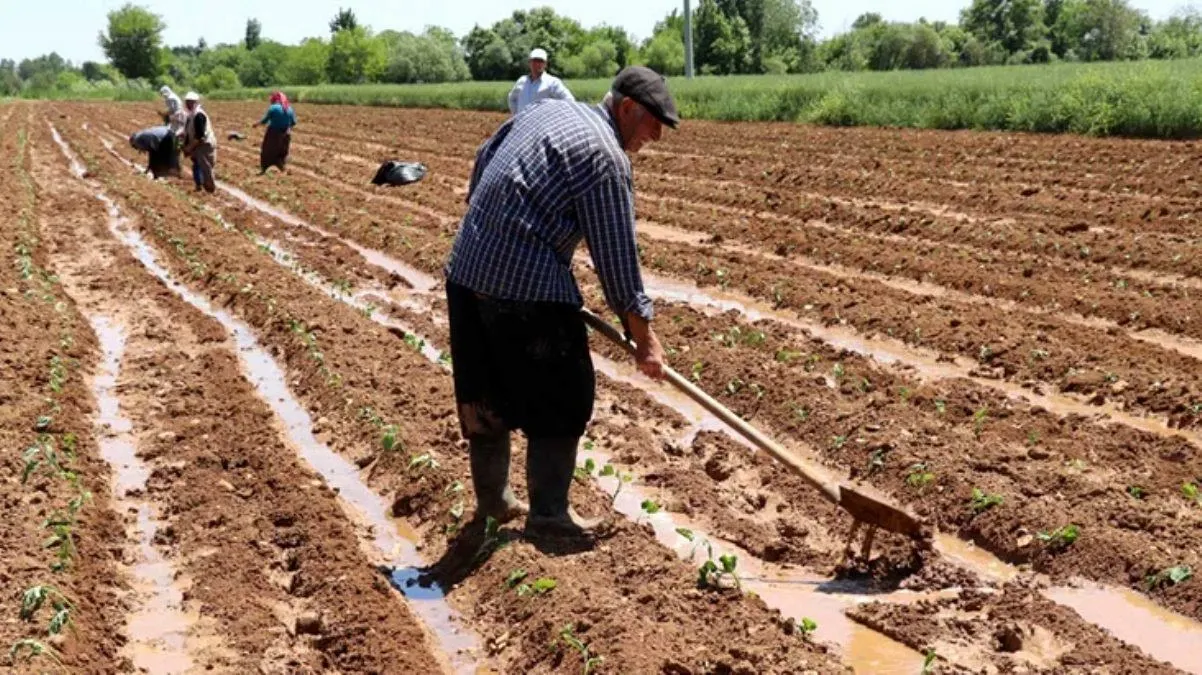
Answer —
(927, 364)
(1128, 615)
(1180, 344)
(159, 626)
(458, 644)
(1135, 619)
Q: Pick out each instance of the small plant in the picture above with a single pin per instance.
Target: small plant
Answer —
(807, 626)
(582, 473)
(876, 460)
(978, 421)
(1190, 492)
(839, 441)
(919, 477)
(696, 371)
(516, 577)
(838, 372)
(982, 502)
(1171, 576)
(35, 649)
(622, 478)
(1061, 538)
(650, 507)
(567, 634)
(785, 356)
(928, 662)
(415, 342)
(454, 488)
(541, 586)
(424, 461)
(36, 596)
(1136, 491)
(444, 359)
(1032, 438)
(801, 412)
(389, 439)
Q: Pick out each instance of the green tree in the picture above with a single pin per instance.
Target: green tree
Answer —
(305, 63)
(254, 31)
(133, 41)
(221, 77)
(263, 67)
(355, 57)
(10, 82)
(1017, 25)
(721, 43)
(664, 52)
(343, 20)
(1178, 37)
(488, 57)
(1100, 30)
(623, 46)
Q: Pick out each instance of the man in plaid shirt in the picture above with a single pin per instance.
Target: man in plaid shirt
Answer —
(551, 176)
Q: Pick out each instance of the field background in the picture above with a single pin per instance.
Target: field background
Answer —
(1149, 99)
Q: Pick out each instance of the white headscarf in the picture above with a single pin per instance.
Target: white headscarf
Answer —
(176, 115)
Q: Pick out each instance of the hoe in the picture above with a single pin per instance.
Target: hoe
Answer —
(864, 508)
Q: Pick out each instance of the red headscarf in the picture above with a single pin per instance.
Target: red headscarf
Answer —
(280, 98)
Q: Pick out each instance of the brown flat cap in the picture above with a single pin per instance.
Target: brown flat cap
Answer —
(649, 89)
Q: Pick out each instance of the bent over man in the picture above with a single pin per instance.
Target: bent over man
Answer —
(546, 180)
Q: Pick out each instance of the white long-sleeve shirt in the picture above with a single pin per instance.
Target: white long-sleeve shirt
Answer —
(526, 91)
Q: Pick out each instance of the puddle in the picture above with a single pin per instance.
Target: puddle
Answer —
(1138, 621)
(459, 644)
(974, 558)
(158, 627)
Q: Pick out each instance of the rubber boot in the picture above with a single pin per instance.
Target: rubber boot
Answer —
(490, 480)
(550, 466)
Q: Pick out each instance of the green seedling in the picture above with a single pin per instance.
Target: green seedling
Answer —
(516, 577)
(422, 462)
(454, 488)
(1171, 576)
(60, 620)
(541, 586)
(807, 626)
(928, 662)
(905, 394)
(1060, 538)
(1032, 438)
(43, 423)
(734, 386)
(838, 372)
(876, 460)
(58, 374)
(982, 502)
(801, 413)
(1136, 491)
(919, 477)
(696, 371)
(389, 438)
(415, 342)
(839, 441)
(978, 421)
(622, 478)
(582, 473)
(650, 507)
(709, 572)
(368, 310)
(940, 406)
(36, 596)
(34, 648)
(686, 533)
(1190, 491)
(785, 356)
(444, 359)
(567, 634)
(457, 509)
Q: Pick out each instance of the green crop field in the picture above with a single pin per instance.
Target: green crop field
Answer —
(1156, 99)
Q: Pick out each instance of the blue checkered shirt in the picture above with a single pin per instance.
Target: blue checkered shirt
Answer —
(551, 176)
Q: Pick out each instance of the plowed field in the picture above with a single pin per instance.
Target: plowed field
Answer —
(231, 443)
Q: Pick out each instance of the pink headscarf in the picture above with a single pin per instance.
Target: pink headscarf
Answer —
(279, 97)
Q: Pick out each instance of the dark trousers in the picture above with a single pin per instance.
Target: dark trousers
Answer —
(519, 366)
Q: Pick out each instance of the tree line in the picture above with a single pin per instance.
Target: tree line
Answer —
(729, 37)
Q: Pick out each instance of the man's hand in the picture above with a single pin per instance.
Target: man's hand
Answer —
(648, 353)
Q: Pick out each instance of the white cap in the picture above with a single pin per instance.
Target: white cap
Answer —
(192, 96)
(539, 54)
(164, 90)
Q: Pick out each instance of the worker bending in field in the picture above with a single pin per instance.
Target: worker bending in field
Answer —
(537, 86)
(277, 140)
(546, 180)
(159, 144)
(200, 143)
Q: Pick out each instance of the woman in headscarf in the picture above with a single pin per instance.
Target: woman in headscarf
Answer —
(176, 117)
(280, 118)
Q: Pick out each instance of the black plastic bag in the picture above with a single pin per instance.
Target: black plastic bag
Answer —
(393, 172)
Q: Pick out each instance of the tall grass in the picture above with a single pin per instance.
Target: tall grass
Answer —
(1154, 99)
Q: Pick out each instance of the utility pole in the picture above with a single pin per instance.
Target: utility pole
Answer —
(688, 40)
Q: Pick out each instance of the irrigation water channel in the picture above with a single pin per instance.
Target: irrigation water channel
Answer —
(392, 538)
(1159, 632)
(159, 629)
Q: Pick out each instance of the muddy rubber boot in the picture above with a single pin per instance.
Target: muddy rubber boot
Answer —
(490, 480)
(550, 467)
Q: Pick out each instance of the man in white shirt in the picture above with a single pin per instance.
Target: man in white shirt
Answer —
(536, 86)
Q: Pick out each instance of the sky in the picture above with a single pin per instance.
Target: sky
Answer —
(30, 28)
